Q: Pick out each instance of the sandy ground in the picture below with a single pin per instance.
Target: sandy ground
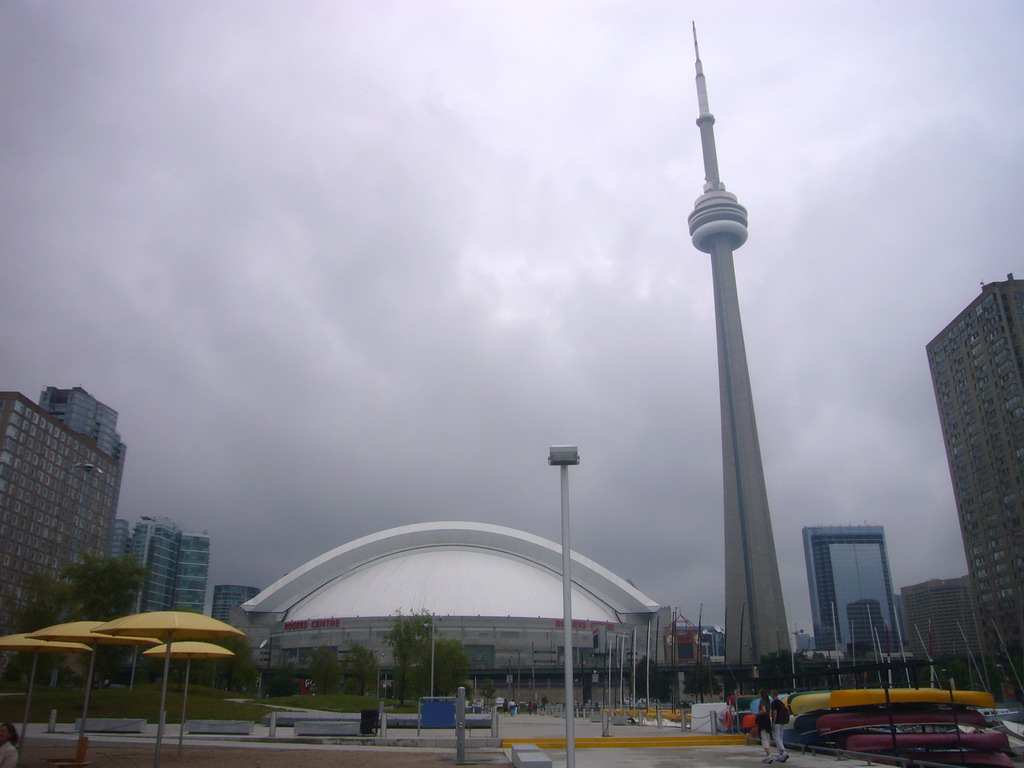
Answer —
(133, 757)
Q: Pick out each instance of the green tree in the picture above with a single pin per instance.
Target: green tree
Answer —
(235, 673)
(95, 589)
(451, 666)
(46, 605)
(284, 681)
(102, 588)
(777, 664)
(700, 681)
(488, 689)
(409, 639)
(325, 669)
(361, 670)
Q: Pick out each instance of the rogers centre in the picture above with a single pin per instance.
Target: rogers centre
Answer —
(495, 589)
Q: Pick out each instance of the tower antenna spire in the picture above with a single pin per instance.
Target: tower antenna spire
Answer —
(706, 122)
(702, 89)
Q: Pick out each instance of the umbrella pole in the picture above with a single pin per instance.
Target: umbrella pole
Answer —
(88, 690)
(28, 698)
(163, 701)
(184, 702)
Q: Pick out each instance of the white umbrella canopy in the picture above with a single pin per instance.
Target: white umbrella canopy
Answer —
(23, 643)
(169, 626)
(188, 649)
(84, 632)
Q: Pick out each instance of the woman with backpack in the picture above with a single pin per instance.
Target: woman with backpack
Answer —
(764, 724)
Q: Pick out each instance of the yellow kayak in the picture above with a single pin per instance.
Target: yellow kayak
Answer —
(799, 703)
(862, 697)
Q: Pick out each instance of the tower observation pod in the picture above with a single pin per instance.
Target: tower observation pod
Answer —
(755, 609)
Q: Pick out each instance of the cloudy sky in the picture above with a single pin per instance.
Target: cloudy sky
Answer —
(343, 266)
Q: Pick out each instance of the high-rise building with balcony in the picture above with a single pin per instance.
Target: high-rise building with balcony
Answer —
(177, 565)
(851, 590)
(227, 596)
(977, 367)
(58, 497)
(940, 618)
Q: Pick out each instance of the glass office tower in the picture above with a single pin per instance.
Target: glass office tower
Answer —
(851, 590)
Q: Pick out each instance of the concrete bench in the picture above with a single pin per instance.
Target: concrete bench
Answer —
(529, 756)
(327, 728)
(403, 721)
(286, 719)
(113, 724)
(237, 727)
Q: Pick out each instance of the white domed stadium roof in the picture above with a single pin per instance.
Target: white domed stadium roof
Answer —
(449, 569)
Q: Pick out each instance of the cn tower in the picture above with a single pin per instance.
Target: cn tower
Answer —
(755, 610)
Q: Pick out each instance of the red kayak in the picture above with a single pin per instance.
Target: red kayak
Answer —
(832, 722)
(990, 741)
(969, 759)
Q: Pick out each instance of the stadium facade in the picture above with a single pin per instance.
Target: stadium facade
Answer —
(495, 589)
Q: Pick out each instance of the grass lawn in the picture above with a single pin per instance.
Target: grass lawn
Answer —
(144, 701)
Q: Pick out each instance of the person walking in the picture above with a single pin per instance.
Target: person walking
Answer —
(8, 742)
(780, 717)
(764, 725)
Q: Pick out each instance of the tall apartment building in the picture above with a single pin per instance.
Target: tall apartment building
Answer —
(851, 590)
(88, 416)
(941, 618)
(977, 367)
(227, 596)
(58, 496)
(177, 565)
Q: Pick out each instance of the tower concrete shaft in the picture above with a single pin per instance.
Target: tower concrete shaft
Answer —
(755, 609)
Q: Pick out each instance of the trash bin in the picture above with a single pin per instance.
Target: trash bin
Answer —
(368, 722)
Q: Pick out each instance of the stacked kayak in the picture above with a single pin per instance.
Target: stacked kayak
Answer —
(927, 723)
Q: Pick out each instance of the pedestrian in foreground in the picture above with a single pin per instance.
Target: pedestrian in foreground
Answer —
(780, 717)
(764, 725)
(8, 742)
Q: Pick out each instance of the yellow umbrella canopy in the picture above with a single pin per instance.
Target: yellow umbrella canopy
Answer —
(166, 625)
(22, 642)
(190, 649)
(82, 632)
(169, 626)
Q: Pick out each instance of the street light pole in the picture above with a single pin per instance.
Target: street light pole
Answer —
(792, 654)
(565, 456)
(431, 625)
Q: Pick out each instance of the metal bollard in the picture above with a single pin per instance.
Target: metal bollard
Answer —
(51, 727)
(460, 726)
(273, 724)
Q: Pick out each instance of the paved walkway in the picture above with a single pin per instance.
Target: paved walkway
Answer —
(481, 748)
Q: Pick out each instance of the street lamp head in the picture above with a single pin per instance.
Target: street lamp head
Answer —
(563, 456)
(88, 468)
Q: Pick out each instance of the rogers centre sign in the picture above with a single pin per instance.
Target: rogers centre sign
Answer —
(313, 624)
